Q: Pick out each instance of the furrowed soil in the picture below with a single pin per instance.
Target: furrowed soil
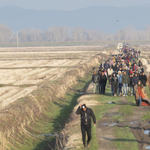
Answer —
(41, 88)
(35, 92)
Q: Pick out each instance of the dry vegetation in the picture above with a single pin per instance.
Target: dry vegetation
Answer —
(31, 77)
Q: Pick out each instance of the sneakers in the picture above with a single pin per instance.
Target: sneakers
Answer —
(123, 95)
(131, 95)
(114, 94)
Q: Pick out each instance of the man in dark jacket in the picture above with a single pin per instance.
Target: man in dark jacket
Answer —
(103, 81)
(86, 114)
(102, 65)
(95, 80)
(143, 79)
(114, 83)
(135, 80)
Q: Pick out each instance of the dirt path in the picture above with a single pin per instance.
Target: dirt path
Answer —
(106, 133)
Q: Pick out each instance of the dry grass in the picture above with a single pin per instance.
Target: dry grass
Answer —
(17, 116)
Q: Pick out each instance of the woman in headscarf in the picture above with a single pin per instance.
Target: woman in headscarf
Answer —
(140, 93)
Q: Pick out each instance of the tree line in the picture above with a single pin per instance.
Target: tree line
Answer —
(61, 34)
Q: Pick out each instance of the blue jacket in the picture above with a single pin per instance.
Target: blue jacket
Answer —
(119, 78)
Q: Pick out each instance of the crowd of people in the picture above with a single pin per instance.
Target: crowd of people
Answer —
(122, 71)
(125, 75)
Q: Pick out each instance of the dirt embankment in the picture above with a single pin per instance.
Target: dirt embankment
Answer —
(15, 117)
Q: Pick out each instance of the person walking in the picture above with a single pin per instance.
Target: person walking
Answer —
(130, 84)
(143, 79)
(114, 83)
(135, 81)
(103, 81)
(125, 81)
(95, 80)
(119, 83)
(86, 114)
(109, 72)
(140, 93)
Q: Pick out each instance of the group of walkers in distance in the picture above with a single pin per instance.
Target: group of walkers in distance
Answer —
(125, 75)
(123, 71)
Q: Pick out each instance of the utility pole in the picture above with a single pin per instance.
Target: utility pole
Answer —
(17, 40)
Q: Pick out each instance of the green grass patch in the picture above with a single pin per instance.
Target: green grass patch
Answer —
(53, 119)
(126, 110)
(99, 111)
(124, 139)
(146, 116)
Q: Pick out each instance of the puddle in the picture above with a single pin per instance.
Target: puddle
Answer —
(134, 122)
(114, 124)
(147, 147)
(112, 114)
(147, 132)
(105, 124)
(111, 103)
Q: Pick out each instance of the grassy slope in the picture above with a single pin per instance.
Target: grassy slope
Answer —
(53, 120)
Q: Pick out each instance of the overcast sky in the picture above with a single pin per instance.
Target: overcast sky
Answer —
(69, 4)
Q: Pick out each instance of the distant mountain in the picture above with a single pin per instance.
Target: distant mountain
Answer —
(105, 18)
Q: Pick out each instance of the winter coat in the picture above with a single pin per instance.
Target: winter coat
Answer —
(119, 78)
(95, 78)
(107, 66)
(134, 68)
(102, 65)
(125, 79)
(86, 116)
(143, 79)
(114, 67)
(103, 79)
(114, 80)
(110, 72)
(130, 81)
(135, 80)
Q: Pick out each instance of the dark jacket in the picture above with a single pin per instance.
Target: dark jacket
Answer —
(102, 65)
(135, 80)
(86, 116)
(114, 67)
(95, 78)
(143, 79)
(130, 81)
(103, 79)
(114, 80)
(125, 79)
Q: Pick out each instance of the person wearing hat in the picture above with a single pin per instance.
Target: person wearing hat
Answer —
(86, 114)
